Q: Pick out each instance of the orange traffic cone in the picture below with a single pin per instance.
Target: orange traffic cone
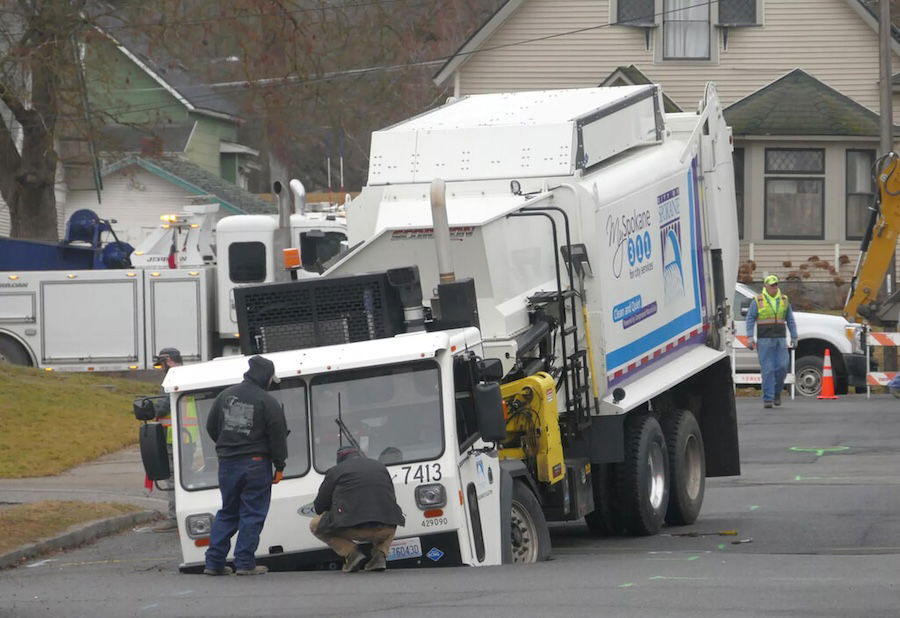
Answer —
(827, 379)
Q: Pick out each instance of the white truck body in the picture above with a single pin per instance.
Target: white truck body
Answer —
(642, 206)
(645, 219)
(118, 319)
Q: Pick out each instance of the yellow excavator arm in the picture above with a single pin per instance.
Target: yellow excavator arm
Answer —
(877, 251)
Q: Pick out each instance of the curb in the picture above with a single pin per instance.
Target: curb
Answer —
(75, 536)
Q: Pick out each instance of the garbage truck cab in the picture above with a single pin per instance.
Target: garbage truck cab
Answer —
(412, 405)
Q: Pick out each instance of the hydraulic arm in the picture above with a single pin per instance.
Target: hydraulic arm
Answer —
(877, 251)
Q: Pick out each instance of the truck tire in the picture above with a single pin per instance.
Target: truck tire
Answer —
(808, 375)
(604, 520)
(12, 352)
(528, 528)
(687, 467)
(642, 479)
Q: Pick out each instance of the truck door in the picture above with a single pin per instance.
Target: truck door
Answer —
(479, 478)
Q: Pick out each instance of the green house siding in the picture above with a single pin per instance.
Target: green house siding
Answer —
(203, 148)
(120, 91)
(229, 163)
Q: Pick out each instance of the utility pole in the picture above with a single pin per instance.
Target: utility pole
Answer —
(887, 136)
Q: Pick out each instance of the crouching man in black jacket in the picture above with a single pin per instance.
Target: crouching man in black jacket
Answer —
(250, 432)
(356, 502)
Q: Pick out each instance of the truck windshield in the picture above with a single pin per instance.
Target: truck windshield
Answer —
(393, 413)
(197, 452)
(317, 247)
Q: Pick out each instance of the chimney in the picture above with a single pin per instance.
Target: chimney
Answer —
(152, 146)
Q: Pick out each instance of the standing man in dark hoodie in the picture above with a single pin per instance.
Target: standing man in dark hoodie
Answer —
(250, 432)
(356, 502)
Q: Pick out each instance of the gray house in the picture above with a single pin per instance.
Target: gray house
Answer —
(799, 78)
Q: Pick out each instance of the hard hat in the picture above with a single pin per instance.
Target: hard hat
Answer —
(771, 280)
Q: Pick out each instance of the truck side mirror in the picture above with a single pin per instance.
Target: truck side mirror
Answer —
(149, 408)
(490, 370)
(154, 456)
(489, 411)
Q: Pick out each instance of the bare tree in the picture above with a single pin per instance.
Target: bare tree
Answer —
(313, 78)
(37, 65)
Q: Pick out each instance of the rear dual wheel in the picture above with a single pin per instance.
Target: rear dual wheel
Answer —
(687, 467)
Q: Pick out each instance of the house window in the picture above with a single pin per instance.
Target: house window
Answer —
(686, 31)
(738, 13)
(738, 159)
(795, 194)
(860, 191)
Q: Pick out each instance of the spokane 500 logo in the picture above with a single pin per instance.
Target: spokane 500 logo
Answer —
(629, 237)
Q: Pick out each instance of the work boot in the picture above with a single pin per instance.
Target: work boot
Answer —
(767, 404)
(169, 525)
(257, 570)
(226, 570)
(777, 400)
(354, 561)
(377, 562)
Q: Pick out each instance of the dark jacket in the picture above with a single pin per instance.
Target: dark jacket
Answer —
(357, 491)
(246, 420)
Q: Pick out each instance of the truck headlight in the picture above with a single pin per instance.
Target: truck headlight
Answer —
(855, 334)
(431, 496)
(199, 526)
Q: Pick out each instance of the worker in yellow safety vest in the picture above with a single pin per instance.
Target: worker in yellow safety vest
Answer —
(771, 315)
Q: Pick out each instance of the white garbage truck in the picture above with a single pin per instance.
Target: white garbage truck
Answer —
(176, 291)
(530, 326)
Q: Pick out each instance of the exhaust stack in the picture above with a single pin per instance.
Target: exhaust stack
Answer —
(299, 192)
(441, 230)
(456, 304)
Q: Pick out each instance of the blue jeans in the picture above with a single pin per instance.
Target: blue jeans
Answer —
(246, 486)
(773, 363)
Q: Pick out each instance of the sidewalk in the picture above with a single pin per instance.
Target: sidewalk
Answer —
(117, 477)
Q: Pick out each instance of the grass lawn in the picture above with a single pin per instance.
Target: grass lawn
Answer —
(50, 422)
(27, 523)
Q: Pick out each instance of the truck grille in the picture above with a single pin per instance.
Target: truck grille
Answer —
(316, 312)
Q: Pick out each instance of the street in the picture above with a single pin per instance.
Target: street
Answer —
(811, 528)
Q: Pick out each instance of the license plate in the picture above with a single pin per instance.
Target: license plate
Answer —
(405, 548)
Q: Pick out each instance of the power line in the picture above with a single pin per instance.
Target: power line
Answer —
(287, 81)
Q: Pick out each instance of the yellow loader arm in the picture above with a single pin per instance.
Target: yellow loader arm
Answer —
(877, 251)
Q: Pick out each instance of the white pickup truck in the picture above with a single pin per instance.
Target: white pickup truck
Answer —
(816, 332)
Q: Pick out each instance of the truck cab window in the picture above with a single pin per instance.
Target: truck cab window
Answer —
(199, 464)
(317, 247)
(466, 419)
(247, 262)
(393, 413)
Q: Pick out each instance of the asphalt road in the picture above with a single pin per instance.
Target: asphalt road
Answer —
(816, 515)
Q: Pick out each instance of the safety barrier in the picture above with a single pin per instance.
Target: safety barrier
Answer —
(741, 342)
(878, 378)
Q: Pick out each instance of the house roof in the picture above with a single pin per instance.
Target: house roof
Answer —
(633, 76)
(799, 104)
(194, 179)
(165, 68)
(172, 137)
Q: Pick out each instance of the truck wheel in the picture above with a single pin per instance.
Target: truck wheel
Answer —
(687, 467)
(12, 352)
(808, 375)
(643, 488)
(603, 520)
(530, 535)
